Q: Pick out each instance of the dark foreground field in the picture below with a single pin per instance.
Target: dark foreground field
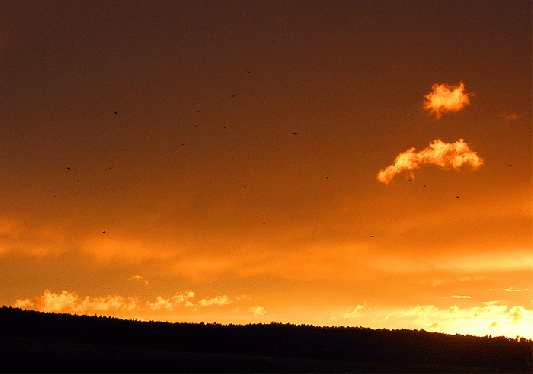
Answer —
(47, 342)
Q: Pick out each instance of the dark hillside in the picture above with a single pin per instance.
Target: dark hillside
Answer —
(62, 342)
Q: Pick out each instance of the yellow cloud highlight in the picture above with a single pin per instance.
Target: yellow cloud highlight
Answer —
(258, 311)
(219, 300)
(445, 98)
(354, 313)
(70, 302)
(445, 155)
(488, 319)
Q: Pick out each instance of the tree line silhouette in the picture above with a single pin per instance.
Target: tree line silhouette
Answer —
(277, 340)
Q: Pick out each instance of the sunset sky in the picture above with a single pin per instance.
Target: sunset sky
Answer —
(357, 163)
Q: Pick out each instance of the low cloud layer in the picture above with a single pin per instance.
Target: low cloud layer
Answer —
(445, 155)
(70, 302)
(445, 98)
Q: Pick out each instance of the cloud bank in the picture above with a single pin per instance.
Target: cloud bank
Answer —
(445, 98)
(70, 302)
(445, 155)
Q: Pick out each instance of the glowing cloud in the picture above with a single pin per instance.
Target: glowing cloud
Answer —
(138, 278)
(219, 300)
(259, 311)
(517, 314)
(511, 289)
(445, 98)
(354, 313)
(70, 302)
(445, 155)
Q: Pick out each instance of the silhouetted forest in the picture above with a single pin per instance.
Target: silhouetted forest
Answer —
(33, 341)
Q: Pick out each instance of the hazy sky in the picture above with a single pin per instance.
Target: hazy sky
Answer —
(363, 163)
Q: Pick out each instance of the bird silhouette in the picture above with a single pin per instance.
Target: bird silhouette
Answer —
(68, 168)
(103, 232)
(294, 133)
(115, 112)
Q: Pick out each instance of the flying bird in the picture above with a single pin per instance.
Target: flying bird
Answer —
(115, 112)
(103, 232)
(294, 133)
(68, 168)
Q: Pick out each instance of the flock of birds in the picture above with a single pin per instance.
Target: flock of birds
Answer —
(183, 144)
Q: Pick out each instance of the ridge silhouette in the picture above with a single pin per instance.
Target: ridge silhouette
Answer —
(275, 346)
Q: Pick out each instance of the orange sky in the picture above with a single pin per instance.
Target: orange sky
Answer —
(239, 180)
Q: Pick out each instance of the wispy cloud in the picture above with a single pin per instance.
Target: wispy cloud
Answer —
(511, 289)
(510, 116)
(138, 278)
(517, 314)
(445, 98)
(445, 155)
(461, 297)
(355, 312)
(493, 302)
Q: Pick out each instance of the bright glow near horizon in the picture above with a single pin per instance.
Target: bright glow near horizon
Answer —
(296, 161)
